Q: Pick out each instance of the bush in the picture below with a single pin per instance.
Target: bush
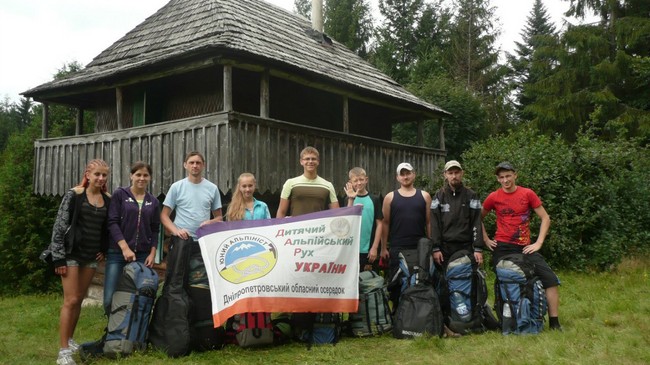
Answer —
(596, 192)
(25, 220)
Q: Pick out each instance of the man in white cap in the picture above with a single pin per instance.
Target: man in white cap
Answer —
(455, 218)
(406, 219)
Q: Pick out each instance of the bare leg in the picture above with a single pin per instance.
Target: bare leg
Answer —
(75, 286)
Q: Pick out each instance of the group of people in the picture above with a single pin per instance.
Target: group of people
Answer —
(123, 227)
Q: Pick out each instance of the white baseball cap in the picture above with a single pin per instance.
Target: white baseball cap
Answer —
(404, 165)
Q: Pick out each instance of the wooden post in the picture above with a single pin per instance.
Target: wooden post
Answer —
(420, 136)
(46, 120)
(227, 88)
(441, 133)
(265, 94)
(346, 115)
(79, 128)
(119, 103)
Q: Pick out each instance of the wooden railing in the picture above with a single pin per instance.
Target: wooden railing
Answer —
(232, 143)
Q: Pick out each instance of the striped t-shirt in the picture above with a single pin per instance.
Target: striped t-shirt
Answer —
(91, 220)
(308, 195)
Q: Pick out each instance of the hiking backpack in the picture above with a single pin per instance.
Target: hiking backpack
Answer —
(520, 297)
(373, 316)
(203, 335)
(464, 295)
(250, 329)
(418, 311)
(169, 330)
(130, 310)
(316, 328)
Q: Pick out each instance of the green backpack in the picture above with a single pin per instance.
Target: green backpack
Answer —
(373, 316)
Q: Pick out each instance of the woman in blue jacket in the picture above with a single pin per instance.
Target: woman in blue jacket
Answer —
(133, 224)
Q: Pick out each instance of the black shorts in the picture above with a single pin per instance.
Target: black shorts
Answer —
(542, 270)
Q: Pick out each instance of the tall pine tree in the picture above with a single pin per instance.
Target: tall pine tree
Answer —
(350, 23)
(601, 77)
(532, 60)
(397, 42)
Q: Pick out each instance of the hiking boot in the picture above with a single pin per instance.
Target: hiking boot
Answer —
(556, 328)
(65, 358)
(73, 346)
(450, 333)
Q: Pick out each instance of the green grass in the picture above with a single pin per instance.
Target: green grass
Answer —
(606, 319)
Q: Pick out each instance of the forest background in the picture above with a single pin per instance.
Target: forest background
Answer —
(569, 108)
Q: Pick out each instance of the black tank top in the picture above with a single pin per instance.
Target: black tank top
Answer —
(408, 220)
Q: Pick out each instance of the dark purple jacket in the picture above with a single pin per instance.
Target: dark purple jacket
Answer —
(123, 220)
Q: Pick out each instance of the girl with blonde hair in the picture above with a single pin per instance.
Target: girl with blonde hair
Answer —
(243, 205)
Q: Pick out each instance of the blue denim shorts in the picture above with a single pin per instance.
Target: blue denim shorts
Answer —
(92, 264)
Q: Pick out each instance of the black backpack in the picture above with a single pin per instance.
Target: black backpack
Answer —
(203, 335)
(169, 330)
(418, 312)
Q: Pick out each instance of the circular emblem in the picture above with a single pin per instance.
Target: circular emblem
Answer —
(245, 257)
(340, 227)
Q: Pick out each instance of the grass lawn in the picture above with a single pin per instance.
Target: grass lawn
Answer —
(606, 319)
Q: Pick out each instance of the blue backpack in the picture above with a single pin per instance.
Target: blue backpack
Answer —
(317, 328)
(465, 294)
(130, 310)
(520, 297)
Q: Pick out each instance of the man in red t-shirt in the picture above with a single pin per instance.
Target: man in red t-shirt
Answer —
(513, 206)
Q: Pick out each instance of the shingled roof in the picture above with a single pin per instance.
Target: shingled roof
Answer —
(249, 28)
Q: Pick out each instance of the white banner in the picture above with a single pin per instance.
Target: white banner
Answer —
(308, 263)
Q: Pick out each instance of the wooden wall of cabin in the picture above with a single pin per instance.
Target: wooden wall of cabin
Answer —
(369, 120)
(306, 106)
(170, 98)
(190, 94)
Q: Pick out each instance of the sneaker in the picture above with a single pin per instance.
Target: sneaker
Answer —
(65, 358)
(73, 346)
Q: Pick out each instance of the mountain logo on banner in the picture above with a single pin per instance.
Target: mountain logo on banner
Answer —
(245, 257)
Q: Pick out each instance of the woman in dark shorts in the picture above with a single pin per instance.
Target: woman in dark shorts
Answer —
(79, 241)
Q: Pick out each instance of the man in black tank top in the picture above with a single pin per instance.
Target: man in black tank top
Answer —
(406, 220)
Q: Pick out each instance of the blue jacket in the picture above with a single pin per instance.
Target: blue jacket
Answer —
(260, 211)
(123, 220)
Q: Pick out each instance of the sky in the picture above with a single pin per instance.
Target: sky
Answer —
(37, 37)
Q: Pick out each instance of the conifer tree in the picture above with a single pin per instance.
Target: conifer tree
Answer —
(395, 49)
(531, 61)
(350, 23)
(601, 78)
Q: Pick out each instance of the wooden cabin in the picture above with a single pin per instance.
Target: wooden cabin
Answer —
(246, 83)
